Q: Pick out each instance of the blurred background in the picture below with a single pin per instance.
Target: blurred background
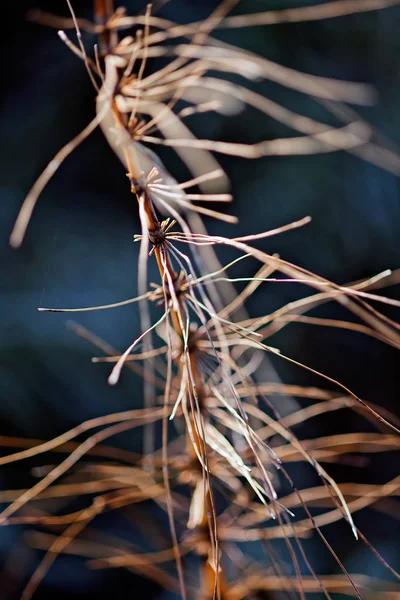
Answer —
(79, 252)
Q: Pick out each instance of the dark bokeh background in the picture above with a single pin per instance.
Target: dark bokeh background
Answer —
(79, 251)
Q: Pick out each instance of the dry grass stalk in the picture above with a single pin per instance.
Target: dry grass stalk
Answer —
(208, 363)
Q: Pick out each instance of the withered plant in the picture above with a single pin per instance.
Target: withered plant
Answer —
(215, 444)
